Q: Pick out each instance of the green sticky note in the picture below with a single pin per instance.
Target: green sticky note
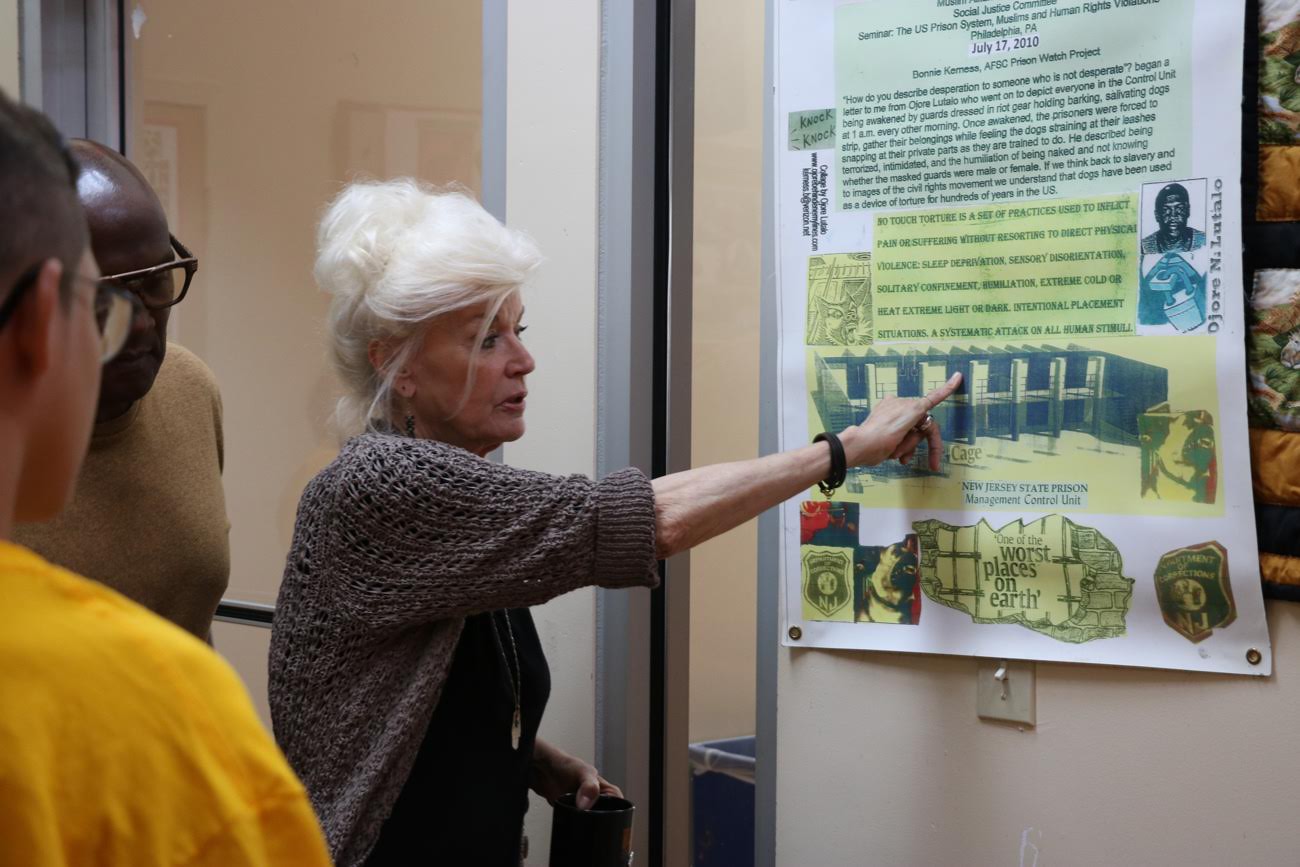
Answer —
(812, 130)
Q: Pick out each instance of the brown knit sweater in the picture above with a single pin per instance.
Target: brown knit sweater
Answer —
(396, 542)
(149, 515)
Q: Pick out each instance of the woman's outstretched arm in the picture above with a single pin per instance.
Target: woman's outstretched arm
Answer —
(696, 505)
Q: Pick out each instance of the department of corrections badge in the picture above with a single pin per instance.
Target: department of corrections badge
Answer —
(1194, 591)
(827, 583)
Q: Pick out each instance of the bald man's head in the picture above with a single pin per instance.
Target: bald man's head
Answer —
(128, 232)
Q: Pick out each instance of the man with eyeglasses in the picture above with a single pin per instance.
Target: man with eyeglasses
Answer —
(149, 514)
(124, 741)
(1173, 208)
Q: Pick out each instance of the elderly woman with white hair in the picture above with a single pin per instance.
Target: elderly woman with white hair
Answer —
(407, 679)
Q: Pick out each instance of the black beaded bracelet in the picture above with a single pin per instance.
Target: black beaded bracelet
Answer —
(839, 464)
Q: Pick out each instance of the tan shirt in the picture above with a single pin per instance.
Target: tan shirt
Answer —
(149, 514)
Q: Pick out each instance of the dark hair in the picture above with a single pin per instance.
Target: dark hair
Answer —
(1172, 191)
(40, 214)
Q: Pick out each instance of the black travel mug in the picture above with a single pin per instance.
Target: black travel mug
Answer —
(598, 837)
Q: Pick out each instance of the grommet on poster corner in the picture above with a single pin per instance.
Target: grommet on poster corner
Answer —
(1254, 657)
(795, 633)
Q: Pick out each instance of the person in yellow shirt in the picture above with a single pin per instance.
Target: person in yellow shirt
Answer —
(124, 740)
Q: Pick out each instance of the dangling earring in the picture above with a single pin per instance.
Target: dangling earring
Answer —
(410, 426)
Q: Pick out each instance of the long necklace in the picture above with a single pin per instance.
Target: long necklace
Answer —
(516, 676)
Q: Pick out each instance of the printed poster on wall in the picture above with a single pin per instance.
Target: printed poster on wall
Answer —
(1043, 195)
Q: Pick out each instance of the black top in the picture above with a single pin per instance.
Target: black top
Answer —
(465, 799)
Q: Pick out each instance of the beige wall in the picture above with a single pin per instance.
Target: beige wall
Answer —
(247, 648)
(266, 140)
(264, 143)
(9, 74)
(724, 400)
(272, 106)
(552, 154)
(247, 118)
(883, 761)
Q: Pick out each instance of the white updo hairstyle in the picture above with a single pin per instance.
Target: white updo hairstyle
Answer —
(395, 255)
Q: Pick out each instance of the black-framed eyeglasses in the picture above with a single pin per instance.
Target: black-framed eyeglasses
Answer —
(114, 309)
(156, 287)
